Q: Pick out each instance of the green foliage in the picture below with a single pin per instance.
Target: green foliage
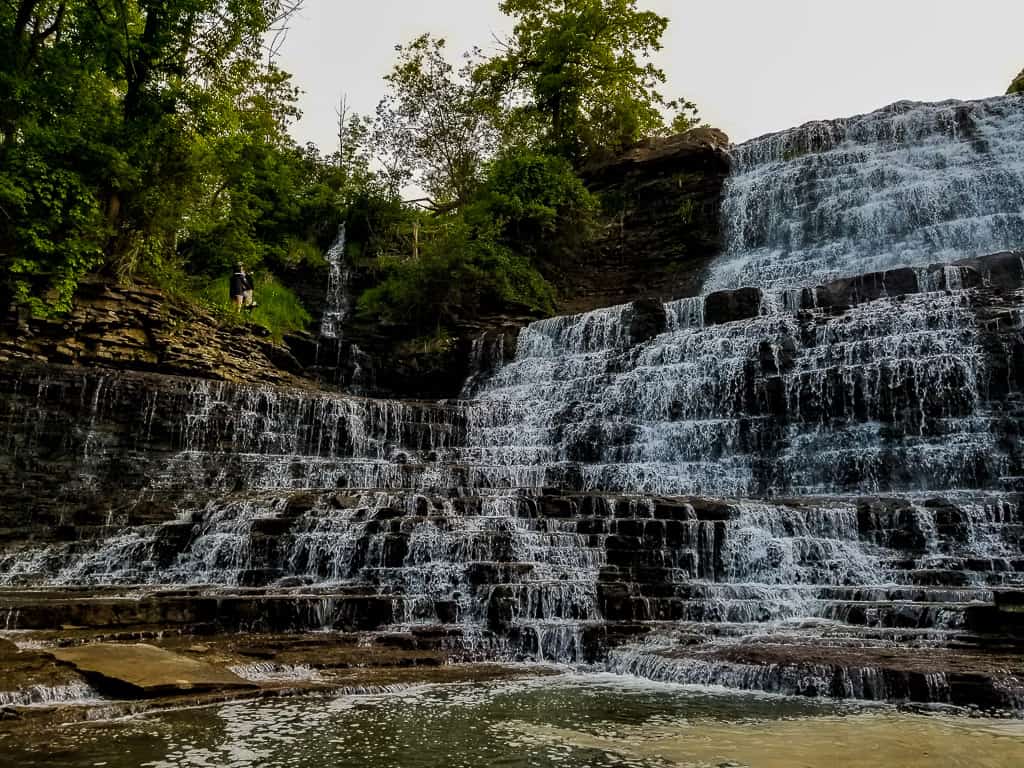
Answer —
(130, 130)
(687, 211)
(278, 308)
(538, 204)
(149, 139)
(1017, 86)
(687, 117)
(492, 254)
(581, 70)
(465, 272)
(433, 127)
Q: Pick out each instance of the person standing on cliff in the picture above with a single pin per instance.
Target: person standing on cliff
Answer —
(242, 288)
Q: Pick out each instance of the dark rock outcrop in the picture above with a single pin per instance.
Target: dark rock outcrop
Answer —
(729, 306)
(661, 201)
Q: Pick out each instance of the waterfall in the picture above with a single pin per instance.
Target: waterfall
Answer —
(909, 185)
(799, 481)
(764, 406)
(338, 303)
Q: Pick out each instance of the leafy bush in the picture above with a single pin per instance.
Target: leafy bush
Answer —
(463, 273)
(538, 204)
(491, 256)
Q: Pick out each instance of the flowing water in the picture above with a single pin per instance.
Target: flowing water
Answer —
(338, 304)
(569, 721)
(679, 492)
(909, 185)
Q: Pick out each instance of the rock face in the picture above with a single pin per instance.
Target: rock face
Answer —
(135, 328)
(811, 485)
(84, 449)
(144, 670)
(661, 203)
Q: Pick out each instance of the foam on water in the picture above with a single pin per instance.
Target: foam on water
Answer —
(771, 405)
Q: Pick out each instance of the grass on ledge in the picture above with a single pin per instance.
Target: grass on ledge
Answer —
(278, 309)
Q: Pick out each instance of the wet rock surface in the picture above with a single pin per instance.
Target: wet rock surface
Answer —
(810, 484)
(136, 328)
(171, 669)
(170, 497)
(145, 670)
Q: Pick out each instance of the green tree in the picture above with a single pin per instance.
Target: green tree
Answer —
(581, 70)
(686, 118)
(1017, 86)
(433, 127)
(491, 255)
(119, 120)
(538, 206)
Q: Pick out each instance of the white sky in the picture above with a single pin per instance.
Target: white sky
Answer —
(753, 66)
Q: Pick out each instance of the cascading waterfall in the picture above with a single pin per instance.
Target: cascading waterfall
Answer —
(824, 467)
(770, 405)
(338, 304)
(909, 185)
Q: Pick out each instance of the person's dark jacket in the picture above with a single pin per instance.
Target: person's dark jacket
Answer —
(240, 283)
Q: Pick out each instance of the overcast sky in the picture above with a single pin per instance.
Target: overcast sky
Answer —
(753, 66)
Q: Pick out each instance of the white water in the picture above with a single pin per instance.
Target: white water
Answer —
(338, 306)
(768, 405)
(890, 397)
(909, 185)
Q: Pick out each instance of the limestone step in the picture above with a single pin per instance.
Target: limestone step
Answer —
(991, 681)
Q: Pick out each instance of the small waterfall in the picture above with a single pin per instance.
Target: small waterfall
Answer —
(264, 672)
(48, 696)
(821, 680)
(338, 304)
(685, 313)
(486, 356)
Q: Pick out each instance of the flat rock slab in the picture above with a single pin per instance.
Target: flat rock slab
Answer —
(144, 670)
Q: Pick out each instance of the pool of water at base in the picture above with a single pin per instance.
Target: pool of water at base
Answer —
(568, 721)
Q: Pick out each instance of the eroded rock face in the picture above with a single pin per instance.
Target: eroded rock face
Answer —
(576, 577)
(135, 328)
(84, 449)
(238, 507)
(661, 204)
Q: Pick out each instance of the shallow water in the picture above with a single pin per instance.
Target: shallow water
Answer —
(569, 722)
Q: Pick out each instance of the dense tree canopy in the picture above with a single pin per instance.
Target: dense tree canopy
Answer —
(127, 128)
(149, 139)
(581, 71)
